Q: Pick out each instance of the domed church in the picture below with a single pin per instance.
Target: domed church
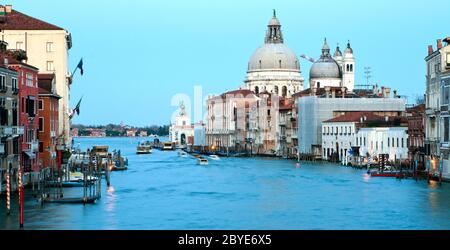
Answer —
(274, 67)
(337, 71)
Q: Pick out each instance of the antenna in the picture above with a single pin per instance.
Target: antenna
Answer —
(368, 73)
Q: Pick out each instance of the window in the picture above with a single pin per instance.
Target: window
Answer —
(446, 129)
(448, 60)
(49, 47)
(41, 147)
(50, 66)
(2, 82)
(14, 84)
(40, 105)
(19, 45)
(29, 80)
(41, 124)
(398, 144)
(388, 141)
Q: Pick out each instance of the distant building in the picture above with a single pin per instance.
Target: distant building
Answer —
(131, 132)
(199, 135)
(96, 132)
(48, 107)
(75, 132)
(416, 133)
(47, 47)
(437, 110)
(181, 128)
(143, 133)
(371, 133)
(10, 131)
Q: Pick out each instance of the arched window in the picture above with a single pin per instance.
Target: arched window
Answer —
(259, 64)
(284, 91)
(256, 90)
(276, 90)
(348, 67)
(279, 63)
(351, 67)
(318, 85)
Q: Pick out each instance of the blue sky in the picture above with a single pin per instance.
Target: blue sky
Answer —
(138, 54)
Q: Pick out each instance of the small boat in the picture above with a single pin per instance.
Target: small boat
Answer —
(144, 148)
(182, 154)
(386, 174)
(168, 146)
(214, 157)
(119, 168)
(202, 161)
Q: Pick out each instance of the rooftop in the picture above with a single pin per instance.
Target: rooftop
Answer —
(16, 20)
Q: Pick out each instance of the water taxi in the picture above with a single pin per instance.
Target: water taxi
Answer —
(202, 161)
(144, 148)
(168, 146)
(214, 157)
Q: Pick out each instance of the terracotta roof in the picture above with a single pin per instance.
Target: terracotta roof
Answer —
(19, 21)
(356, 117)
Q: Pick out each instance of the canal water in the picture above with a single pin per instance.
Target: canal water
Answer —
(165, 191)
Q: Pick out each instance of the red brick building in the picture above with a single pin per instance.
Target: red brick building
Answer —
(28, 113)
(48, 106)
(416, 133)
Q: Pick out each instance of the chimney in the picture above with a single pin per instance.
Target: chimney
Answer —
(343, 90)
(333, 93)
(313, 91)
(5, 62)
(8, 8)
(388, 92)
(439, 44)
(382, 92)
(375, 89)
(430, 49)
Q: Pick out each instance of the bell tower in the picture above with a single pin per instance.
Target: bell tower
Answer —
(348, 68)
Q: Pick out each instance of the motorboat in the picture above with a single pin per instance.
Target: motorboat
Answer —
(182, 154)
(168, 146)
(202, 161)
(214, 157)
(144, 148)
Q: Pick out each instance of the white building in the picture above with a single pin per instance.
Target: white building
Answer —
(313, 110)
(274, 67)
(181, 131)
(200, 135)
(47, 48)
(337, 71)
(372, 134)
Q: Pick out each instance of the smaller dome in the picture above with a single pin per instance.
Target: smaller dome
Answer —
(338, 52)
(326, 66)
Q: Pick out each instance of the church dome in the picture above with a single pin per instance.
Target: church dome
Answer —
(274, 54)
(326, 66)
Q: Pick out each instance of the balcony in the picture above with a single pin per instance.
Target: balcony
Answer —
(52, 133)
(431, 111)
(3, 89)
(15, 91)
(34, 146)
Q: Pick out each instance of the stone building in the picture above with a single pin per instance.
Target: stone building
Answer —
(181, 131)
(437, 144)
(371, 133)
(48, 107)
(10, 131)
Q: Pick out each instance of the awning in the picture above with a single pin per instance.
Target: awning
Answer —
(30, 154)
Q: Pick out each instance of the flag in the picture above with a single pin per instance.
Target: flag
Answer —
(80, 66)
(76, 109)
